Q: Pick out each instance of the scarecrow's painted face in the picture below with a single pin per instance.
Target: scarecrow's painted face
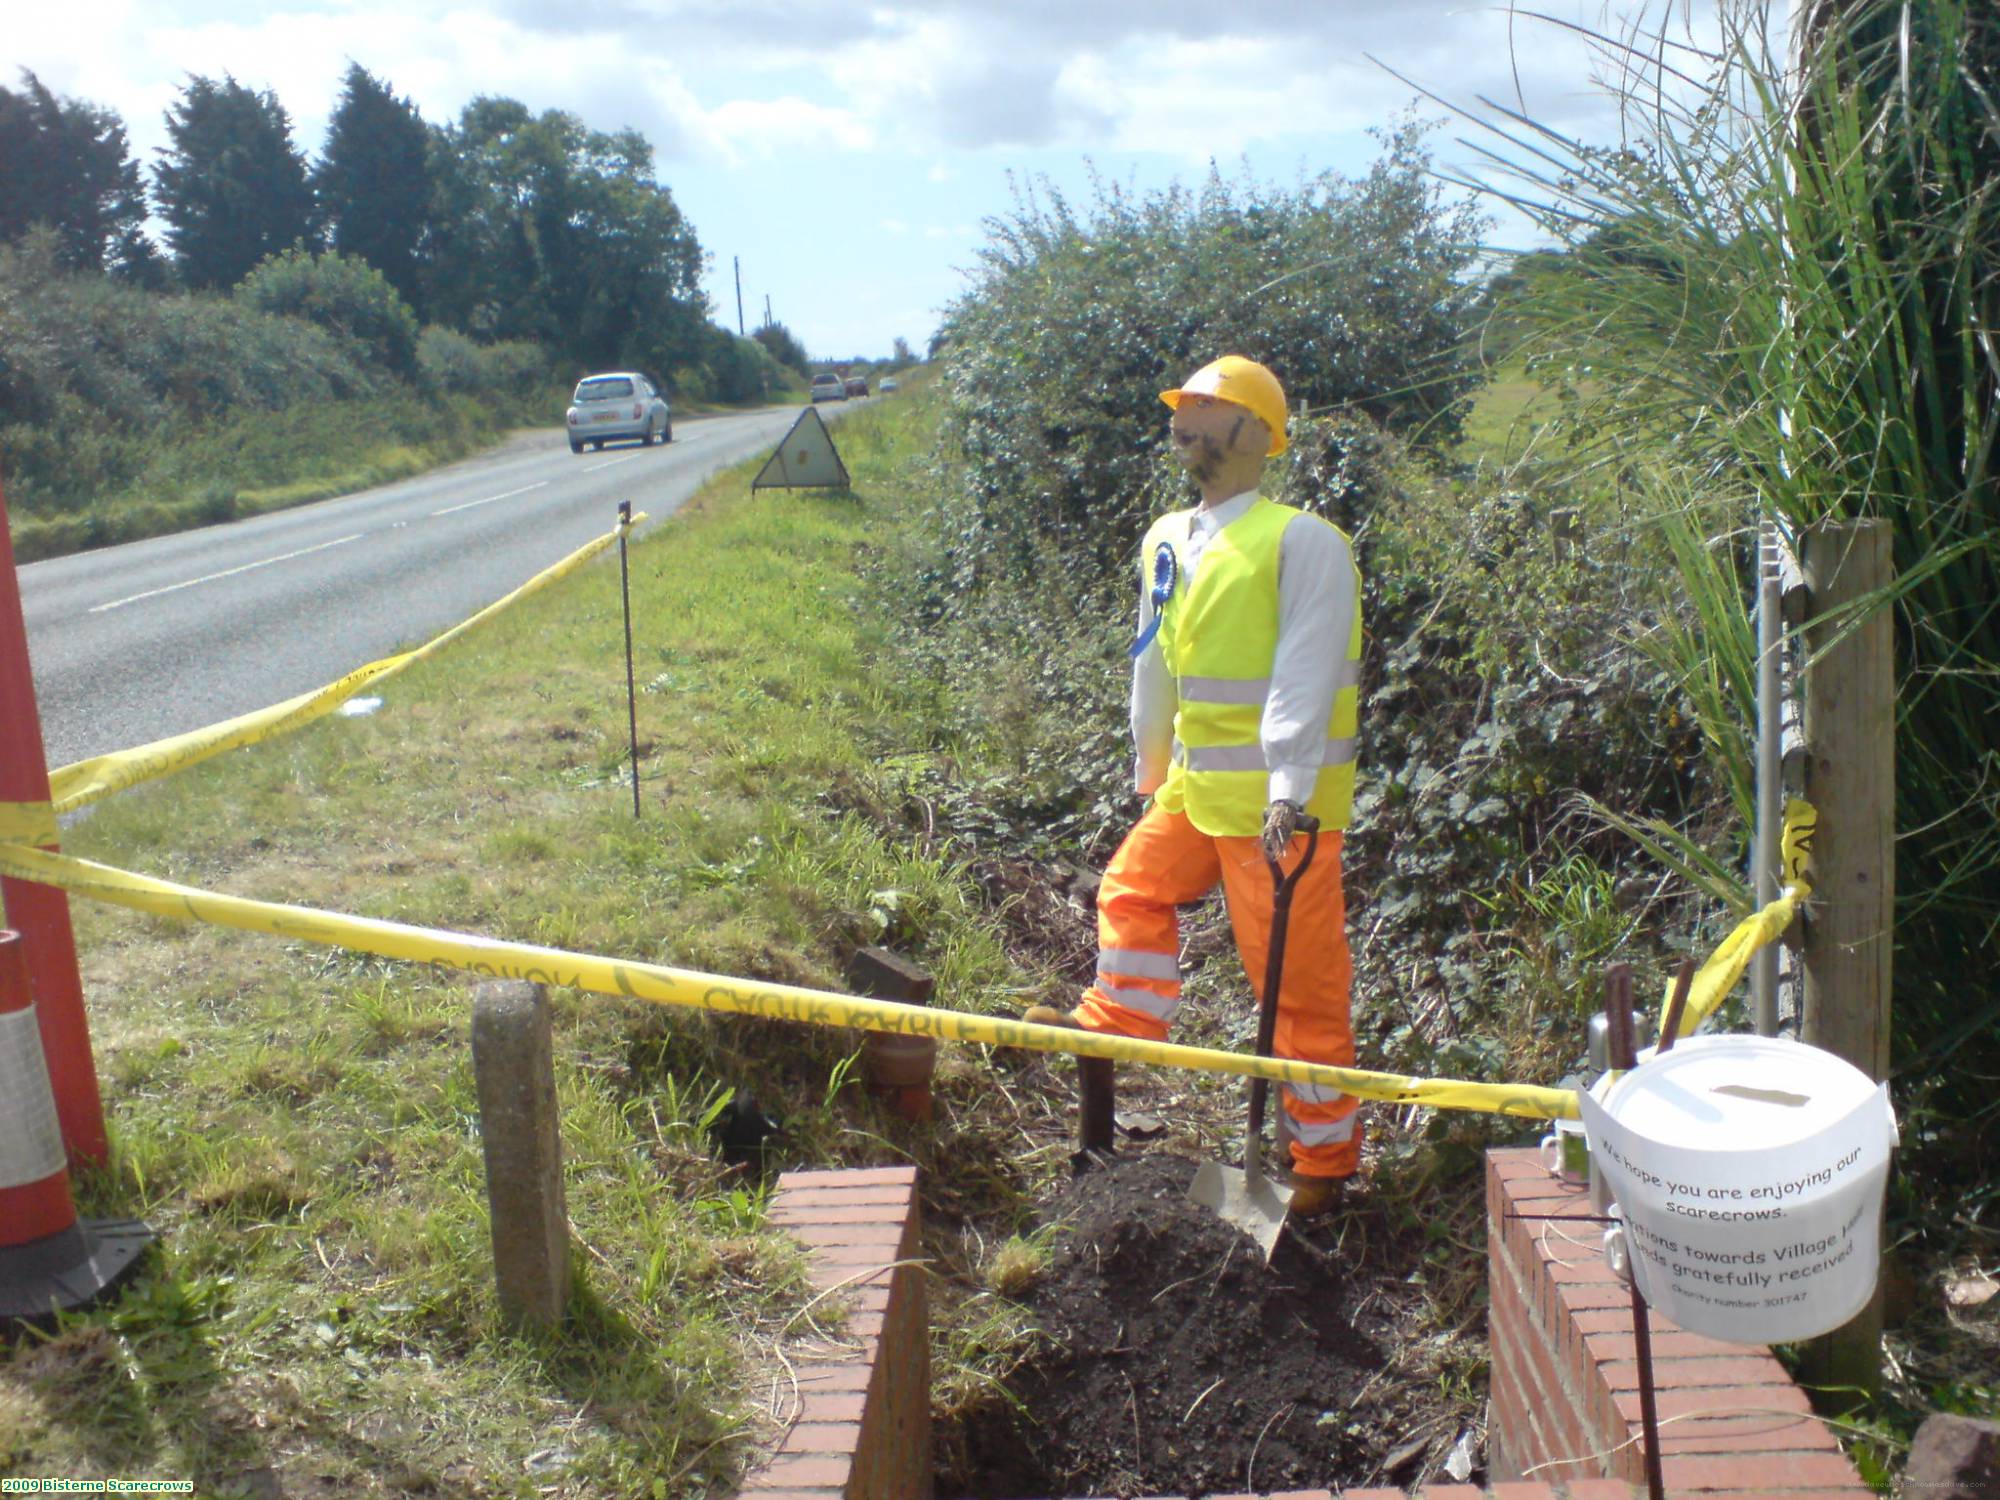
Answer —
(1208, 432)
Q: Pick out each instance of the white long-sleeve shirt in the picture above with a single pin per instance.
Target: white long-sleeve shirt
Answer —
(1319, 591)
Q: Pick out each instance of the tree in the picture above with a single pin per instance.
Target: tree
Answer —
(902, 353)
(66, 164)
(232, 186)
(546, 230)
(373, 183)
(784, 347)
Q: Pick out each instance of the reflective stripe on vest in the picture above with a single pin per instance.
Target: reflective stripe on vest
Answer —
(1219, 638)
(1251, 757)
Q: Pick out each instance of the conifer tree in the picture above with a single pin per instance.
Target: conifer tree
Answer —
(66, 164)
(373, 182)
(232, 186)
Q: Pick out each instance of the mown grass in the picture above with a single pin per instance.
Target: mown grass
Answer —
(300, 1124)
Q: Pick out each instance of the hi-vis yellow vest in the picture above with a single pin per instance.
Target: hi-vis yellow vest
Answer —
(1219, 637)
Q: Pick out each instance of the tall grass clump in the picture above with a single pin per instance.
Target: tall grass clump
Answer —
(1776, 302)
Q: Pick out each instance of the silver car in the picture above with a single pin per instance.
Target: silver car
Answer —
(619, 405)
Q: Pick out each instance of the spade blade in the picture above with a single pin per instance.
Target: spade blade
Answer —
(1247, 1199)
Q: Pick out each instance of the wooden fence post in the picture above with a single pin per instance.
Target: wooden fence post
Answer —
(896, 1068)
(513, 1061)
(1850, 710)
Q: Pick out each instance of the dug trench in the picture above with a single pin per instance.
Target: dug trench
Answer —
(1176, 1362)
(1167, 1357)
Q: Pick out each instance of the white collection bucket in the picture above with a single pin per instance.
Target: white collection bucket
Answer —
(1749, 1172)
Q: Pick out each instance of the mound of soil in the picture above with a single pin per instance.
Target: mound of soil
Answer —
(1179, 1363)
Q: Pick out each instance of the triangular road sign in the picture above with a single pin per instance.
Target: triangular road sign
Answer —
(804, 460)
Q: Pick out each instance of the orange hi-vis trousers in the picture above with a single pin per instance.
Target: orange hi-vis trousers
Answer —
(1167, 862)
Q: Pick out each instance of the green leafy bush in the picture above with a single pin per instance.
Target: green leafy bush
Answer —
(342, 294)
(741, 369)
(1354, 292)
(126, 413)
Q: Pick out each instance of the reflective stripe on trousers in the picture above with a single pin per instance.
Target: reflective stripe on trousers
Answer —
(1167, 862)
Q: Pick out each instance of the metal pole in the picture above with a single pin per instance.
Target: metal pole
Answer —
(737, 261)
(631, 687)
(1764, 853)
(1622, 1053)
(40, 913)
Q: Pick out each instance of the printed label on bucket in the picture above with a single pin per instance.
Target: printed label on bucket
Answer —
(1753, 1246)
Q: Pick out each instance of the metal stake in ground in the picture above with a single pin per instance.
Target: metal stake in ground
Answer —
(1623, 1055)
(631, 690)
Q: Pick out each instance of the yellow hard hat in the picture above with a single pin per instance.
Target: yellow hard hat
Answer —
(1248, 384)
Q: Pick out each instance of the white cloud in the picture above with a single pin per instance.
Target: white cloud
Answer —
(768, 127)
(910, 109)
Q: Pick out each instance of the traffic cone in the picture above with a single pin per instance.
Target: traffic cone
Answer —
(50, 1262)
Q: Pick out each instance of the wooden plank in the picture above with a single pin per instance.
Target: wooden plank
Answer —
(1850, 733)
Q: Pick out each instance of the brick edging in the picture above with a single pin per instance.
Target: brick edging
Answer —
(1565, 1378)
(862, 1428)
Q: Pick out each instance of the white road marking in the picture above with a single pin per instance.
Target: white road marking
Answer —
(452, 509)
(610, 461)
(96, 609)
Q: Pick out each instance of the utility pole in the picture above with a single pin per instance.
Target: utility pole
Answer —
(767, 309)
(737, 261)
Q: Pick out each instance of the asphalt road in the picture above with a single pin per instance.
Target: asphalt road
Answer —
(131, 644)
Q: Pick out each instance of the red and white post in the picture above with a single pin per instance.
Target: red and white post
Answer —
(49, 1262)
(34, 1172)
(40, 913)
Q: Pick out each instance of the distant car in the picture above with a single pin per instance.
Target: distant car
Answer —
(828, 388)
(615, 406)
(857, 385)
(889, 385)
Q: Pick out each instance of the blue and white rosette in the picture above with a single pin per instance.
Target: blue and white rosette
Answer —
(1166, 573)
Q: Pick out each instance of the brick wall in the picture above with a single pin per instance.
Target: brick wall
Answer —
(862, 1431)
(1565, 1415)
(1565, 1375)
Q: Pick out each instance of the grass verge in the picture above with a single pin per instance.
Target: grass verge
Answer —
(299, 1123)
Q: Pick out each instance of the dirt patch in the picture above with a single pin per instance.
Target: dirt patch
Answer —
(1179, 1364)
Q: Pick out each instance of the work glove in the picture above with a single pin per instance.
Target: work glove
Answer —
(1281, 821)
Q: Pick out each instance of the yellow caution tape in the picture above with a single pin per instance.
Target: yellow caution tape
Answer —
(1795, 843)
(1715, 979)
(27, 823)
(666, 986)
(88, 781)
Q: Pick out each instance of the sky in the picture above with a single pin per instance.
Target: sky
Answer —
(848, 152)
